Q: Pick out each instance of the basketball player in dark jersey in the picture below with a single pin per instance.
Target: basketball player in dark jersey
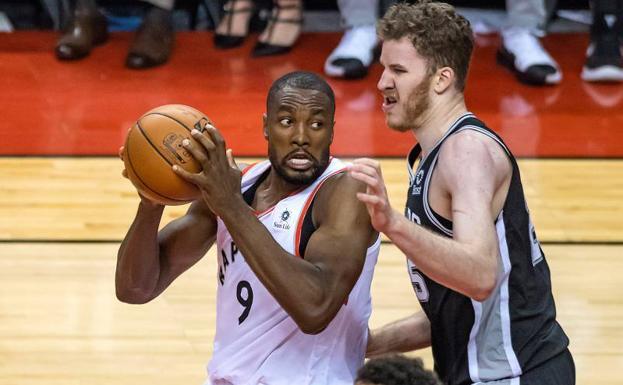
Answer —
(473, 257)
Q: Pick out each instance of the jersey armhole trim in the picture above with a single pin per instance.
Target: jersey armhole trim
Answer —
(308, 202)
(248, 168)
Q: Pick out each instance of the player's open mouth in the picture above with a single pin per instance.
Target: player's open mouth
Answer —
(388, 102)
(299, 161)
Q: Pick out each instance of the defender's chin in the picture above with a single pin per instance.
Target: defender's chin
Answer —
(396, 124)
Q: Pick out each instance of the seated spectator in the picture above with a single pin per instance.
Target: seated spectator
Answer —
(395, 370)
(280, 34)
(87, 28)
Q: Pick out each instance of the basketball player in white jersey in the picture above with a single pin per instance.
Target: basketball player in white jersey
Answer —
(296, 249)
(472, 253)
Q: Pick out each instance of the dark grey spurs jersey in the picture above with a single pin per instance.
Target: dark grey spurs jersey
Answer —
(515, 329)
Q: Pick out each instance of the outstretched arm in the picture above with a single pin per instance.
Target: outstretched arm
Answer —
(401, 336)
(467, 262)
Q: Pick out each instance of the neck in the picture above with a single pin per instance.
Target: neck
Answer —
(274, 188)
(437, 120)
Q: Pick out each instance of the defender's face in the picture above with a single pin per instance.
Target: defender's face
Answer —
(299, 130)
(405, 85)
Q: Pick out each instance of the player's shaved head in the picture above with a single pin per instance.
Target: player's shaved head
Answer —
(300, 80)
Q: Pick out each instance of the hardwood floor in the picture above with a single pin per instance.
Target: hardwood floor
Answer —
(62, 325)
(87, 199)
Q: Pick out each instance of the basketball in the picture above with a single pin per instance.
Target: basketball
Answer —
(154, 144)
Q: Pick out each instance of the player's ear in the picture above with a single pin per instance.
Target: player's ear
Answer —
(265, 125)
(332, 131)
(443, 79)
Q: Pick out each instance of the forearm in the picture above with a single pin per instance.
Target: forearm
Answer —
(138, 262)
(405, 335)
(460, 266)
(296, 284)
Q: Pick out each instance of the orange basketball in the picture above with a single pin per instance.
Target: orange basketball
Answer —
(154, 144)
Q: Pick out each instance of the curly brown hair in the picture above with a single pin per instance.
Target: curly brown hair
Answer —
(438, 33)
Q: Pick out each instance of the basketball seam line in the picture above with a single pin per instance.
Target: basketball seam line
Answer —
(139, 177)
(170, 117)
(138, 124)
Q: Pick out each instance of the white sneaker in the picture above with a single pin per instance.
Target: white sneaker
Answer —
(522, 53)
(353, 56)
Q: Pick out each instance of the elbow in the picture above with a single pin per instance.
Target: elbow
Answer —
(482, 294)
(314, 322)
(312, 327)
(485, 279)
(133, 296)
(484, 288)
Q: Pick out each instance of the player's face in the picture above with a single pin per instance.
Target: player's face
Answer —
(405, 85)
(299, 130)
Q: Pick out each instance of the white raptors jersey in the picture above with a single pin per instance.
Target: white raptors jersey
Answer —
(256, 341)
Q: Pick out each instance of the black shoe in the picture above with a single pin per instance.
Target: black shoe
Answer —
(153, 41)
(87, 29)
(228, 40)
(603, 61)
(269, 49)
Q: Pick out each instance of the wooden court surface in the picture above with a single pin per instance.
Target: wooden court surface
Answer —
(64, 206)
(86, 199)
(61, 324)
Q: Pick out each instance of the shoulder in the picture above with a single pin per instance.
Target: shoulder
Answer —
(336, 200)
(471, 156)
(469, 145)
(340, 186)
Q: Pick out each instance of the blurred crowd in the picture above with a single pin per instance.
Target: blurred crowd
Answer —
(520, 50)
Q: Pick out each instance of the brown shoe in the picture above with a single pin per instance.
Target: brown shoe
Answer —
(153, 41)
(86, 29)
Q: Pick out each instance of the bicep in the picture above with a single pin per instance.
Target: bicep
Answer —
(470, 177)
(471, 211)
(338, 257)
(339, 245)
